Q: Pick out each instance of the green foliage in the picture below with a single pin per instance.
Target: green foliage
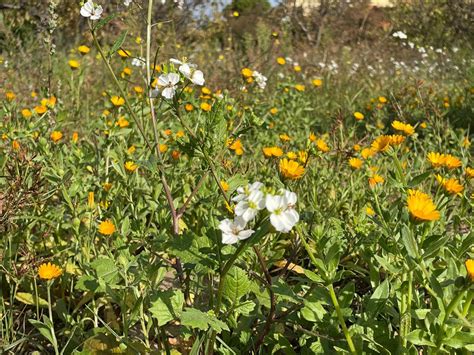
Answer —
(125, 197)
(248, 6)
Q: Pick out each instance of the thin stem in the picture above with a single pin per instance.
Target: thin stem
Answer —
(191, 196)
(341, 319)
(50, 310)
(271, 313)
(334, 300)
(117, 83)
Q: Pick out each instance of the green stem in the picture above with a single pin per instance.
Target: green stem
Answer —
(399, 168)
(53, 334)
(451, 307)
(263, 230)
(341, 319)
(467, 304)
(117, 83)
(334, 300)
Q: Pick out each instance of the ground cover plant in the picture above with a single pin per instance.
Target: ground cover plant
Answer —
(176, 183)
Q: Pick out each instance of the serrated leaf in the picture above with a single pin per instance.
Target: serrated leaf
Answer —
(245, 308)
(106, 270)
(87, 283)
(433, 244)
(313, 311)
(125, 226)
(236, 284)
(195, 318)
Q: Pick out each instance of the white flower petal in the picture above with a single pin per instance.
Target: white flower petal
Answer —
(176, 61)
(185, 70)
(241, 207)
(198, 78)
(273, 203)
(87, 9)
(290, 197)
(277, 223)
(168, 92)
(225, 226)
(239, 223)
(173, 78)
(163, 80)
(257, 185)
(229, 238)
(292, 216)
(245, 234)
(249, 214)
(97, 12)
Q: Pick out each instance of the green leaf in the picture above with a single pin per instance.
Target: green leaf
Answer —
(67, 198)
(125, 226)
(195, 318)
(419, 179)
(313, 311)
(378, 299)
(118, 43)
(87, 283)
(460, 340)
(313, 276)
(245, 308)
(43, 329)
(105, 21)
(408, 242)
(433, 244)
(30, 299)
(419, 337)
(346, 295)
(106, 270)
(167, 306)
(236, 284)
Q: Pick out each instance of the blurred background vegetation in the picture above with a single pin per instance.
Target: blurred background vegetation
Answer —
(348, 38)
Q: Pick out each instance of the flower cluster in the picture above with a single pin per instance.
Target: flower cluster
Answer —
(250, 200)
(438, 160)
(168, 83)
(252, 75)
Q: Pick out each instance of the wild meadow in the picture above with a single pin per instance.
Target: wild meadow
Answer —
(184, 177)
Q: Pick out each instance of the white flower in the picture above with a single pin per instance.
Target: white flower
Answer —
(168, 83)
(248, 208)
(400, 34)
(138, 62)
(233, 231)
(89, 9)
(189, 71)
(244, 192)
(127, 2)
(260, 79)
(283, 215)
